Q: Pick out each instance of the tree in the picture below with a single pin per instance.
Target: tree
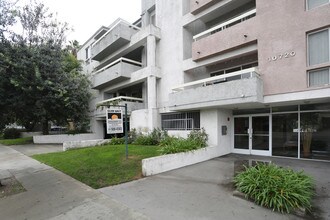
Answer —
(40, 80)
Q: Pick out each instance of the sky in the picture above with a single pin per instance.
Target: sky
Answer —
(86, 17)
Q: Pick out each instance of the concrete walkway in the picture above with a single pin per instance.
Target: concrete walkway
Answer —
(205, 191)
(51, 194)
(32, 149)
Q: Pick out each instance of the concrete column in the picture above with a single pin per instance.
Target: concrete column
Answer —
(151, 51)
(152, 102)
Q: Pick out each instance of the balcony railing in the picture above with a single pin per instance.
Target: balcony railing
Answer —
(238, 88)
(120, 99)
(242, 74)
(115, 72)
(132, 104)
(120, 21)
(226, 24)
(118, 35)
(120, 60)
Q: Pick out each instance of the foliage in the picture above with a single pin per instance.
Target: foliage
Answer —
(276, 188)
(195, 140)
(17, 141)
(11, 133)
(153, 138)
(145, 140)
(101, 166)
(117, 141)
(132, 135)
(39, 80)
(199, 137)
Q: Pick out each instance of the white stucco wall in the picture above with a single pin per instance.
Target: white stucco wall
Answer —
(155, 165)
(60, 139)
(139, 120)
(212, 120)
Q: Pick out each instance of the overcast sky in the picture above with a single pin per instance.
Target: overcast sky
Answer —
(87, 16)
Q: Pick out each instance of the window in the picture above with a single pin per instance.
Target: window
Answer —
(87, 52)
(181, 121)
(315, 3)
(319, 77)
(318, 47)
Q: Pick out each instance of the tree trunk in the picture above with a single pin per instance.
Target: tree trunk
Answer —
(307, 143)
(45, 130)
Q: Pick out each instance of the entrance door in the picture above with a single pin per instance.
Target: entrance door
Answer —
(252, 135)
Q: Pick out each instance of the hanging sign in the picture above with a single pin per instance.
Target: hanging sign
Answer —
(114, 121)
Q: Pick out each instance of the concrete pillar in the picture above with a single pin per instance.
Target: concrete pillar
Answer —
(152, 102)
(151, 51)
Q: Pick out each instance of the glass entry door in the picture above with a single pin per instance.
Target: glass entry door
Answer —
(251, 135)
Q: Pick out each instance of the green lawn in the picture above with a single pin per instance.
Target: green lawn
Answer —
(101, 166)
(18, 141)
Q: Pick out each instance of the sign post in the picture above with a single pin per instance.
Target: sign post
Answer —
(114, 123)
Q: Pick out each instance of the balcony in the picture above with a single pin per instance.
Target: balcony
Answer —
(231, 34)
(132, 105)
(241, 87)
(197, 6)
(115, 72)
(116, 37)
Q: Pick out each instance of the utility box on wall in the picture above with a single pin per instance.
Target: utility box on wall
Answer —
(224, 130)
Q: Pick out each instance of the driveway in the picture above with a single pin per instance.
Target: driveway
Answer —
(51, 194)
(204, 191)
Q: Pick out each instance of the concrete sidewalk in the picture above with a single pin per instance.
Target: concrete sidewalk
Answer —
(51, 194)
(205, 191)
(33, 149)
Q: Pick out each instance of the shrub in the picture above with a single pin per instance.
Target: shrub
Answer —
(199, 137)
(132, 135)
(117, 141)
(158, 135)
(173, 145)
(276, 188)
(11, 133)
(144, 140)
(196, 139)
(154, 138)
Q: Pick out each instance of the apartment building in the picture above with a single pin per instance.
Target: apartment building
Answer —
(255, 74)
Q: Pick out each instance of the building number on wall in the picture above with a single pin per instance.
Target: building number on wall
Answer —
(281, 56)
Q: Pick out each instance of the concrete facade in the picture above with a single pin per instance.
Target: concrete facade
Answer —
(192, 57)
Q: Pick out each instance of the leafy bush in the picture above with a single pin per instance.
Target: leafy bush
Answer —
(277, 188)
(158, 135)
(145, 140)
(11, 133)
(154, 138)
(199, 137)
(196, 140)
(117, 141)
(132, 135)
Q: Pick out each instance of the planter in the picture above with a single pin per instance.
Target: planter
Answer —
(160, 164)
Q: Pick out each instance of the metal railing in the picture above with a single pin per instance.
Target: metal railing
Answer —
(117, 23)
(246, 73)
(226, 24)
(120, 60)
(119, 99)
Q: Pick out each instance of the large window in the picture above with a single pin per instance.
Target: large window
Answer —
(315, 3)
(319, 53)
(318, 47)
(181, 121)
